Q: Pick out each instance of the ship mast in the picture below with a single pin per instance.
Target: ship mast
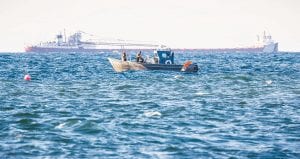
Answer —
(65, 36)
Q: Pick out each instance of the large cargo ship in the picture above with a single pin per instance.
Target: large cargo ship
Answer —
(75, 43)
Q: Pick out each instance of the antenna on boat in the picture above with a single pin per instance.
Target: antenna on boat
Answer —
(65, 36)
(122, 48)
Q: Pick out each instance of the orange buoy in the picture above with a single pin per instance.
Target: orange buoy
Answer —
(27, 77)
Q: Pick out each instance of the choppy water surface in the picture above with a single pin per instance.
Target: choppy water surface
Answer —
(237, 105)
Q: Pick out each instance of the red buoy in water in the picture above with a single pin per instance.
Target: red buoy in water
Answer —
(27, 77)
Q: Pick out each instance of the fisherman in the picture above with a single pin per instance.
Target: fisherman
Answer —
(124, 57)
(139, 57)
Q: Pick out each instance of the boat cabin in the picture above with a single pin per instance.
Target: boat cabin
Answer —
(164, 57)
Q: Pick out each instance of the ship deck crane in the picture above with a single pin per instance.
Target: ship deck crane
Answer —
(118, 42)
(123, 44)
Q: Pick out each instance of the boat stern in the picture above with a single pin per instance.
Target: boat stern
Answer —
(189, 66)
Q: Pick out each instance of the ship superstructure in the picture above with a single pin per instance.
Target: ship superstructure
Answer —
(264, 44)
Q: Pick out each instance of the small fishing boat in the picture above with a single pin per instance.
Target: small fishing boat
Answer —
(162, 60)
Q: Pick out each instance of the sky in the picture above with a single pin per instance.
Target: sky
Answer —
(175, 23)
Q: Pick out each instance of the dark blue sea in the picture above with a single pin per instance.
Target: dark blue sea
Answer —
(76, 106)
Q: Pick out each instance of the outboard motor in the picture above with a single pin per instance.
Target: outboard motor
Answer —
(189, 66)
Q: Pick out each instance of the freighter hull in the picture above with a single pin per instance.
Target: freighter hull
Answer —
(44, 49)
(76, 50)
(265, 49)
(271, 48)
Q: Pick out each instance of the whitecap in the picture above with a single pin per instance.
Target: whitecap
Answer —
(268, 82)
(152, 113)
(154, 154)
(200, 93)
(60, 126)
(178, 76)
